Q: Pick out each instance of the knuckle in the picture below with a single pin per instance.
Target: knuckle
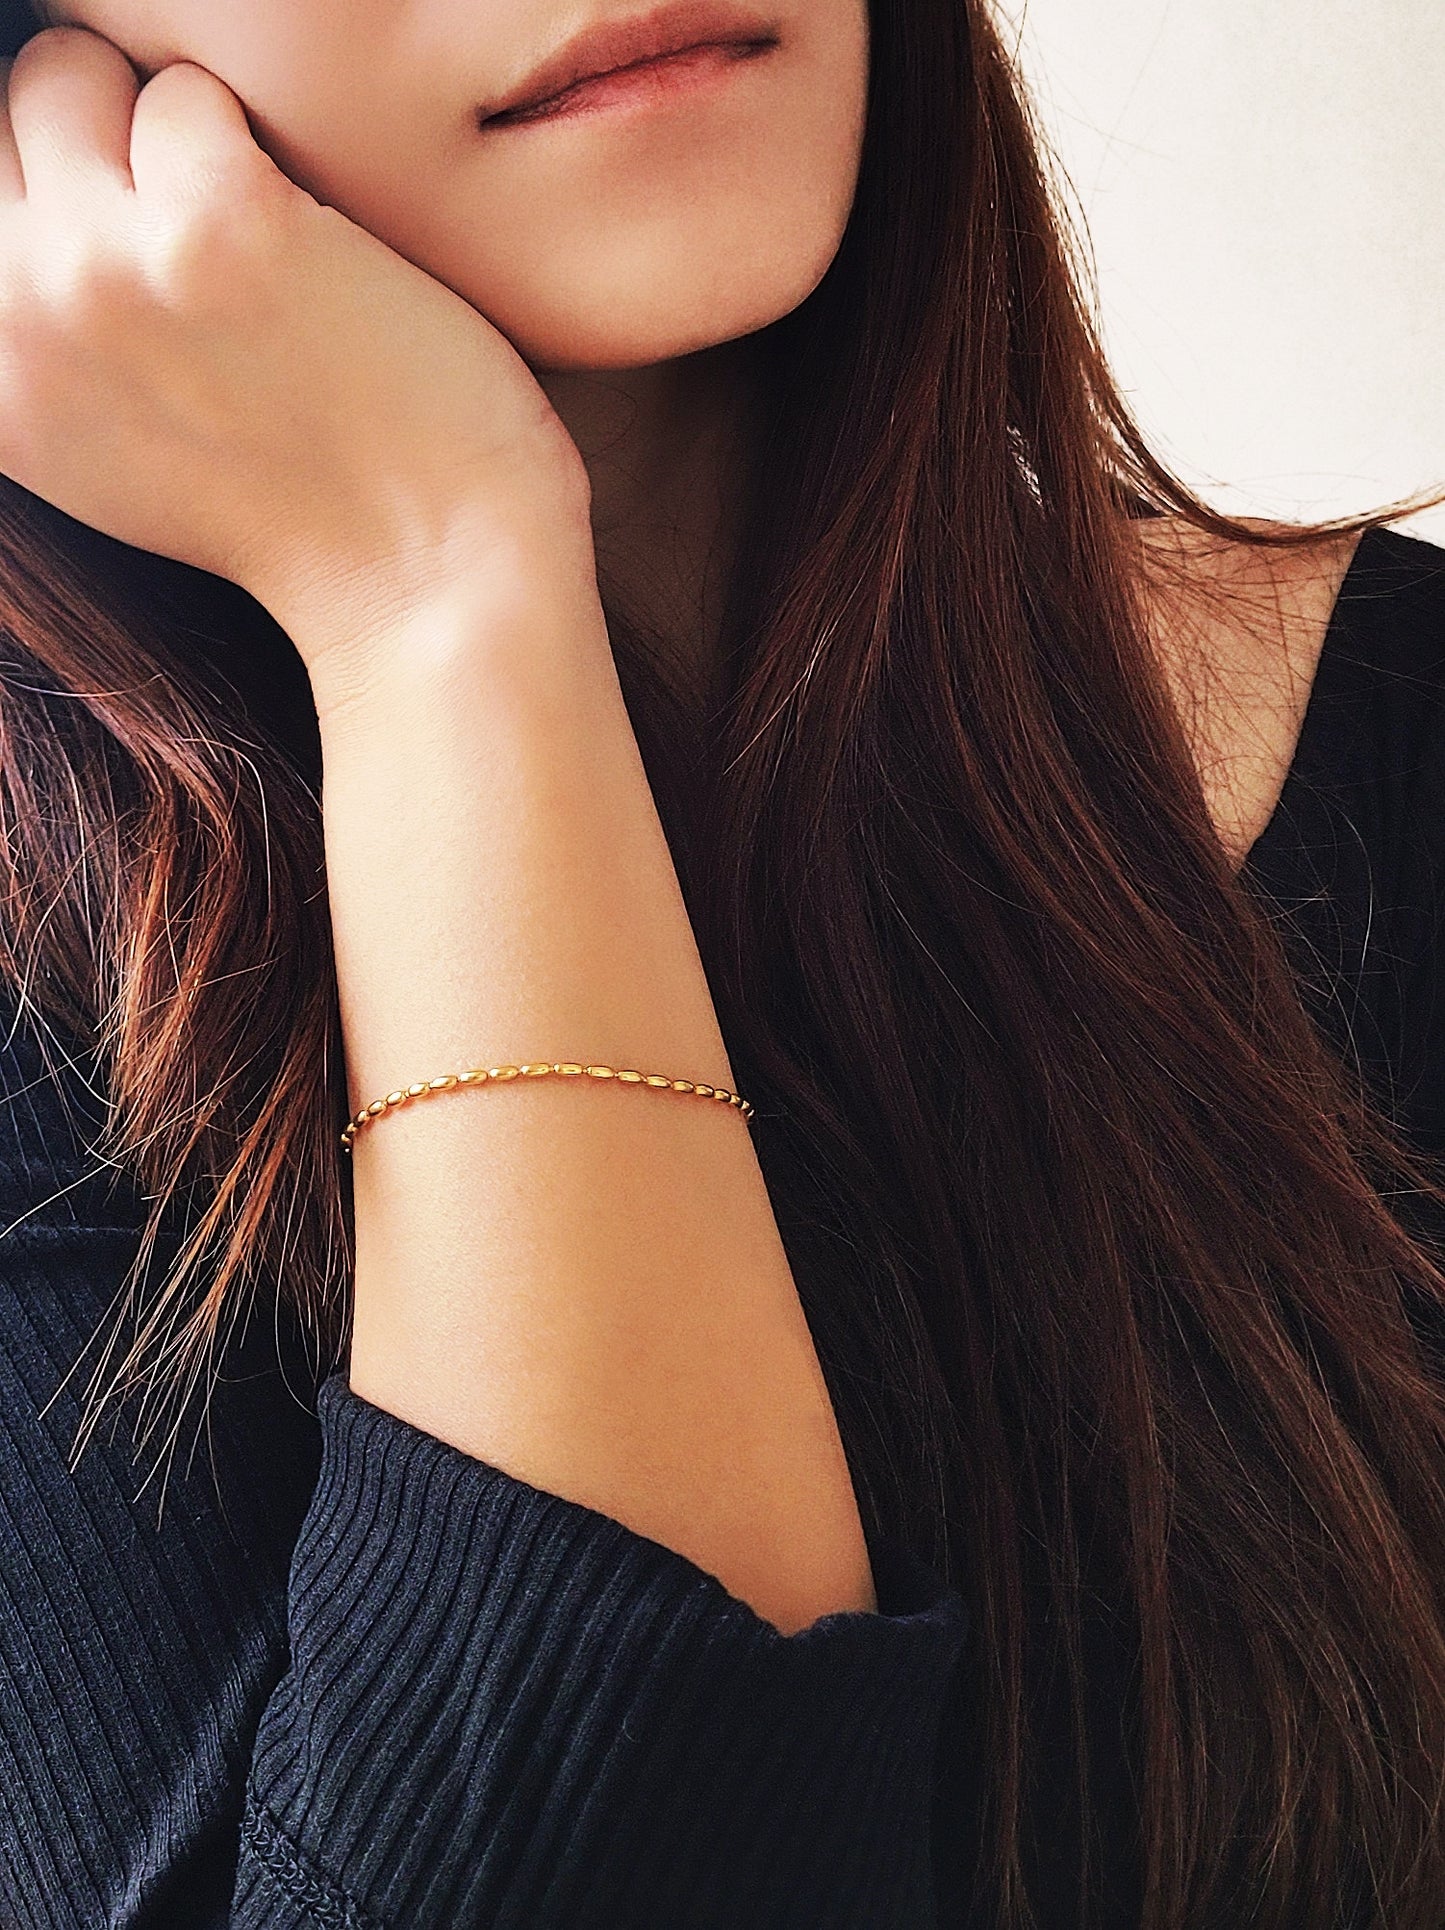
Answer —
(208, 249)
(178, 262)
(79, 271)
(75, 289)
(91, 285)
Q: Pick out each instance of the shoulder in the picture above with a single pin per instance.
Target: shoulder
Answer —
(1239, 629)
(1237, 619)
(1252, 617)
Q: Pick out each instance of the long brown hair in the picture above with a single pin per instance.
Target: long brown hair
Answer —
(1088, 1219)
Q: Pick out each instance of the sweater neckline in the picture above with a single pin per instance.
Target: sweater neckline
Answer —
(1326, 686)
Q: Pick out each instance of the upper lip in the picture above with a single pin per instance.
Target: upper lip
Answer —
(609, 44)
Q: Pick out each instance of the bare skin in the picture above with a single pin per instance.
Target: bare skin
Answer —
(666, 453)
(659, 425)
(1239, 631)
(578, 1282)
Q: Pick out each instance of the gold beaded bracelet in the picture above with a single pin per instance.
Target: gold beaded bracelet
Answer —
(478, 1075)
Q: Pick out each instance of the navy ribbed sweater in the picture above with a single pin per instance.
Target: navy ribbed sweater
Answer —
(339, 1673)
(406, 1688)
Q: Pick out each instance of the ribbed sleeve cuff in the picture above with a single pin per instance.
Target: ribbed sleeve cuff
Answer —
(506, 1709)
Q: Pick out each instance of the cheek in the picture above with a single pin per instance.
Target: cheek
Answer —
(238, 40)
(611, 242)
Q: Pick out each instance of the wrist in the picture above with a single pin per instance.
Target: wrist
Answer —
(381, 641)
(463, 655)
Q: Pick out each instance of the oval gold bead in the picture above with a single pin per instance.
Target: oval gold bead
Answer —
(569, 1068)
(659, 1079)
(600, 1072)
(632, 1078)
(473, 1076)
(703, 1092)
(536, 1071)
(395, 1098)
(503, 1072)
(416, 1091)
(442, 1084)
(682, 1085)
(376, 1106)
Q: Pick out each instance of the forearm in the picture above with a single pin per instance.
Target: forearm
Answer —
(580, 1283)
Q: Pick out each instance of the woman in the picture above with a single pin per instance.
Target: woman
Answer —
(479, 547)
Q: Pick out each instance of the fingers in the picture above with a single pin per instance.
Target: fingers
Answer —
(188, 125)
(71, 98)
(74, 113)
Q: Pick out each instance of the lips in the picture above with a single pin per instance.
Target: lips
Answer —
(614, 44)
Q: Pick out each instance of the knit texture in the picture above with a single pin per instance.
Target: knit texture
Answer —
(333, 1671)
(338, 1673)
(506, 1709)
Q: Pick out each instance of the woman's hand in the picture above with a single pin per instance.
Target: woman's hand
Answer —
(199, 359)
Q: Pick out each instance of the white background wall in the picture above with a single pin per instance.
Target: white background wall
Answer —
(1264, 185)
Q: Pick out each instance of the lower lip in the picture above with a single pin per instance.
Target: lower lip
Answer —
(650, 83)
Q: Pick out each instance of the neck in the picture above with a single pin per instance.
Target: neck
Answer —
(666, 449)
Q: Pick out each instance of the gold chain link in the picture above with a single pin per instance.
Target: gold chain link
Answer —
(481, 1075)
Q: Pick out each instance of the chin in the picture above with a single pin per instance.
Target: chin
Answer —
(639, 336)
(624, 307)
